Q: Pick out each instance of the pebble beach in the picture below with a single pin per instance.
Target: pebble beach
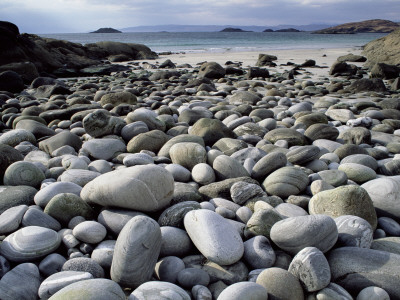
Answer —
(236, 175)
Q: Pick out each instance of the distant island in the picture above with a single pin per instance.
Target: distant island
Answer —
(107, 30)
(230, 29)
(282, 30)
(368, 26)
(288, 30)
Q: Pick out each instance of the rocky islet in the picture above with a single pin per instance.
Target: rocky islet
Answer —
(199, 183)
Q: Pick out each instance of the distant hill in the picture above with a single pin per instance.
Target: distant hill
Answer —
(230, 29)
(369, 26)
(106, 30)
(216, 28)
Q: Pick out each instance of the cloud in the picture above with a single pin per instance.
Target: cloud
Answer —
(43, 16)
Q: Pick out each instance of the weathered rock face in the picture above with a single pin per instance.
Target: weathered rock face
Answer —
(383, 50)
(50, 55)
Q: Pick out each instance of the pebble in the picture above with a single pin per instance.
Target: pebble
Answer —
(84, 264)
(138, 242)
(22, 282)
(168, 268)
(90, 232)
(295, 233)
(311, 267)
(53, 283)
(280, 284)
(244, 290)
(137, 188)
(258, 252)
(91, 289)
(226, 167)
(344, 200)
(29, 243)
(356, 268)
(158, 290)
(354, 232)
(213, 236)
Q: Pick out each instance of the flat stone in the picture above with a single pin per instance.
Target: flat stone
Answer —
(226, 167)
(14, 137)
(389, 244)
(29, 243)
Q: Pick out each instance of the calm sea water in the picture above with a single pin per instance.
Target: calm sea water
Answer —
(224, 41)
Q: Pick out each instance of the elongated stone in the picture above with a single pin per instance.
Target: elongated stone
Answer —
(136, 252)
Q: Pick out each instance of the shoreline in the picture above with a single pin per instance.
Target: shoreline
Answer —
(324, 58)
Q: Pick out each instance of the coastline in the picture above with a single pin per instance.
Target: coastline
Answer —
(324, 58)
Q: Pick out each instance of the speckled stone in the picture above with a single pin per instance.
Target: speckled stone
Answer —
(344, 200)
(311, 267)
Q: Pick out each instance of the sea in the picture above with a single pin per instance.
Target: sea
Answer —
(192, 42)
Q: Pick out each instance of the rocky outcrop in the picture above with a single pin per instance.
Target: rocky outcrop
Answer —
(29, 54)
(370, 26)
(383, 50)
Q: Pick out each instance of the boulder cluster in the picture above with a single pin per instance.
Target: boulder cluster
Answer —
(201, 182)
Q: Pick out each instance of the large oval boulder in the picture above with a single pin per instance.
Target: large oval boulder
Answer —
(143, 188)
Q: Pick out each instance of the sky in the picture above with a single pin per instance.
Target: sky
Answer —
(71, 16)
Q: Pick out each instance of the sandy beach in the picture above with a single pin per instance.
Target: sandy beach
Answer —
(323, 57)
